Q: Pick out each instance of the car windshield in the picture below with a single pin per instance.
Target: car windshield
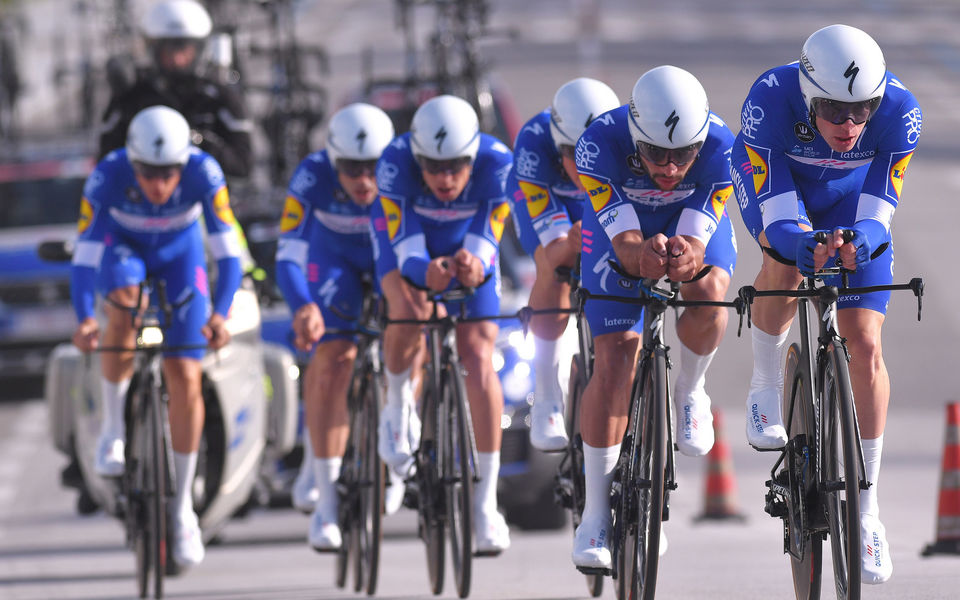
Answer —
(32, 202)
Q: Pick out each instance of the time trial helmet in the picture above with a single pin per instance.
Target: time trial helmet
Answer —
(445, 128)
(575, 105)
(160, 136)
(842, 64)
(668, 109)
(358, 131)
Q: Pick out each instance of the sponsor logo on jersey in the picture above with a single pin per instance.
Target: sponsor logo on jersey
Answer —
(804, 132)
(719, 197)
(292, 215)
(498, 217)
(598, 192)
(393, 215)
(86, 216)
(537, 198)
(635, 164)
(526, 163)
(897, 171)
(758, 168)
(221, 206)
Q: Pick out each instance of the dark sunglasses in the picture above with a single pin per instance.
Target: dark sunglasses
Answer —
(356, 168)
(837, 112)
(451, 166)
(661, 157)
(567, 151)
(155, 171)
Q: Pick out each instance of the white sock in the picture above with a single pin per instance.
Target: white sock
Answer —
(768, 355)
(114, 400)
(546, 364)
(326, 471)
(308, 458)
(871, 462)
(186, 467)
(693, 367)
(399, 388)
(485, 493)
(598, 464)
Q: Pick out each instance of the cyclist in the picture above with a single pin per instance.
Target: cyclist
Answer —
(657, 175)
(175, 32)
(824, 143)
(547, 203)
(324, 252)
(140, 215)
(440, 217)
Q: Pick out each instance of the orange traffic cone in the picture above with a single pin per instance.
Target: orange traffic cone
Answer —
(721, 488)
(948, 509)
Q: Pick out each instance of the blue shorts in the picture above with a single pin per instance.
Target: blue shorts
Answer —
(127, 263)
(567, 212)
(838, 201)
(608, 316)
(335, 283)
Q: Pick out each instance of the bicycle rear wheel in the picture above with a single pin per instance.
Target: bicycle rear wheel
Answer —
(642, 485)
(799, 477)
(430, 493)
(841, 472)
(578, 383)
(458, 476)
(367, 531)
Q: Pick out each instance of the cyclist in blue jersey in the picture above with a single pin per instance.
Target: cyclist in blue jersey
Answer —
(140, 215)
(323, 255)
(824, 144)
(547, 206)
(439, 222)
(658, 177)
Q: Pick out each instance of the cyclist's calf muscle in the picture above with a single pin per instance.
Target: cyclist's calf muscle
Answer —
(603, 410)
(183, 376)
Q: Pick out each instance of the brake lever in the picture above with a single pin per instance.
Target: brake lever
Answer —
(916, 284)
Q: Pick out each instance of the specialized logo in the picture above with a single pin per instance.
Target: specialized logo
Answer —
(804, 132)
(671, 123)
(361, 138)
(537, 198)
(86, 216)
(393, 215)
(158, 146)
(292, 215)
(852, 71)
(498, 217)
(719, 197)
(897, 172)
(440, 136)
(759, 169)
(221, 206)
(599, 192)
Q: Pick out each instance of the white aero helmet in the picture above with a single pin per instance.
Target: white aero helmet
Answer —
(668, 109)
(843, 64)
(575, 105)
(358, 131)
(158, 135)
(444, 128)
(176, 19)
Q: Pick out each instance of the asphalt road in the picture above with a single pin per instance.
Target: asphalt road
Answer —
(46, 551)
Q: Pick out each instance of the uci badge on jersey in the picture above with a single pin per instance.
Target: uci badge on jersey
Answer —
(221, 206)
(537, 198)
(719, 195)
(86, 216)
(758, 167)
(598, 191)
(393, 215)
(498, 217)
(897, 171)
(292, 215)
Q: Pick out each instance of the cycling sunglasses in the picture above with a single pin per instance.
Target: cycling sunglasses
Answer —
(661, 157)
(164, 172)
(567, 151)
(837, 112)
(451, 166)
(356, 168)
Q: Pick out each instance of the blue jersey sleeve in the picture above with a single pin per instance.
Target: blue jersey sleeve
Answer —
(396, 170)
(488, 181)
(294, 244)
(222, 233)
(93, 225)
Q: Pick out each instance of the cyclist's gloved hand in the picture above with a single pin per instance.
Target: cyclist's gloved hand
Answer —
(862, 245)
(806, 244)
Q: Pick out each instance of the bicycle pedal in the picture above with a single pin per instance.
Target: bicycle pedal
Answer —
(487, 553)
(595, 571)
(758, 449)
(325, 550)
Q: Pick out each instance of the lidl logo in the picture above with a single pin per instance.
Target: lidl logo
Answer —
(221, 206)
(598, 191)
(393, 215)
(760, 169)
(86, 216)
(292, 215)
(718, 200)
(498, 216)
(897, 172)
(537, 198)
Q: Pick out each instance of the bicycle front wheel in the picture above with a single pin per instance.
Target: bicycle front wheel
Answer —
(643, 485)
(155, 478)
(841, 468)
(799, 477)
(458, 476)
(367, 531)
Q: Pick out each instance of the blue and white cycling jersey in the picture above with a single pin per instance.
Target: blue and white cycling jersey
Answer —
(624, 197)
(545, 202)
(784, 172)
(123, 237)
(325, 244)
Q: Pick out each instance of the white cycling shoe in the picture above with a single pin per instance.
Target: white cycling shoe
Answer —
(765, 430)
(394, 492)
(324, 533)
(305, 494)
(591, 545)
(694, 421)
(547, 429)
(491, 532)
(876, 566)
(188, 548)
(109, 461)
(397, 434)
